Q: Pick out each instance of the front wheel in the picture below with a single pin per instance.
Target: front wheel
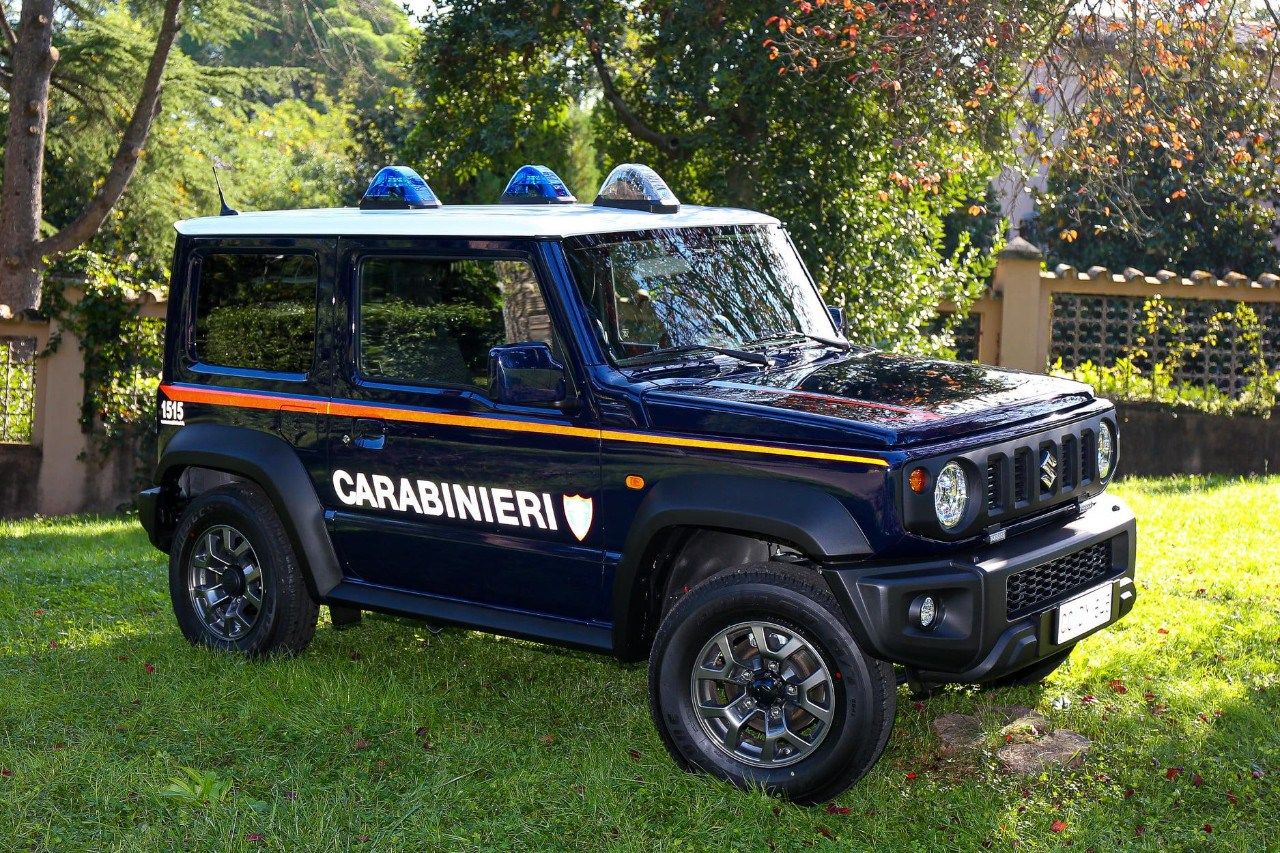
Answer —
(755, 678)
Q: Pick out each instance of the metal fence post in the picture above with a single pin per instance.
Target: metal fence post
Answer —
(1024, 309)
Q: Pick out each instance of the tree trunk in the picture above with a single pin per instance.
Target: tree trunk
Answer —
(21, 206)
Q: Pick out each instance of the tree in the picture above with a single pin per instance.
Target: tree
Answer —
(691, 89)
(1158, 116)
(29, 76)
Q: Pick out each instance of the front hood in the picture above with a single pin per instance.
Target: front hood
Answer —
(883, 398)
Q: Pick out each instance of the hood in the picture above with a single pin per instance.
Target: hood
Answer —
(882, 398)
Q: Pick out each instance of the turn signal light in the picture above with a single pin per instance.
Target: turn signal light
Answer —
(918, 480)
(635, 482)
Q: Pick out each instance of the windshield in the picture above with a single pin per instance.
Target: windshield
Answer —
(680, 289)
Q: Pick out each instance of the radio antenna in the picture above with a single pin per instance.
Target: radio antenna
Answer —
(227, 210)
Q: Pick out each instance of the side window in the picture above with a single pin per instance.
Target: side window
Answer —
(433, 321)
(257, 310)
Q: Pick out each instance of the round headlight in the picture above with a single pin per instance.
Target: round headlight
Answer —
(950, 494)
(1106, 451)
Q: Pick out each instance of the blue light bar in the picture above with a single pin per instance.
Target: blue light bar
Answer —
(633, 186)
(536, 185)
(398, 188)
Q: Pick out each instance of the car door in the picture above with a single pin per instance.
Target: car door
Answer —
(435, 488)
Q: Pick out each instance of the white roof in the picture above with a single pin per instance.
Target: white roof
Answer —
(485, 220)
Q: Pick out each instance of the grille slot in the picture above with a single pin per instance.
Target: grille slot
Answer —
(1021, 474)
(1070, 463)
(995, 494)
(1031, 589)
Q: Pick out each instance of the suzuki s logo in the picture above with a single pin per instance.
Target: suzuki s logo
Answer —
(577, 514)
(1048, 469)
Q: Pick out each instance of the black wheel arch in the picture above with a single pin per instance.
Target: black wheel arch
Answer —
(270, 463)
(803, 517)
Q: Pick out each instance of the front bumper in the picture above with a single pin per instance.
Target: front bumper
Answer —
(976, 638)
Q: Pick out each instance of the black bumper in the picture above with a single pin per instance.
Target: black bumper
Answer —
(977, 638)
(148, 503)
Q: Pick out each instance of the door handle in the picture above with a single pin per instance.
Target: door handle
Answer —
(370, 434)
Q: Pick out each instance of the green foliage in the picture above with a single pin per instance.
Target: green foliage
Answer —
(196, 789)
(406, 341)
(123, 352)
(866, 197)
(279, 336)
(1153, 369)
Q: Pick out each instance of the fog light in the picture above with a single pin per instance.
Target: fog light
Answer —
(924, 611)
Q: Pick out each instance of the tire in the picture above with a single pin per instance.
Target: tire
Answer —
(811, 760)
(231, 556)
(1033, 674)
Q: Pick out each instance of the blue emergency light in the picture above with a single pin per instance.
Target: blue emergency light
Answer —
(633, 186)
(536, 185)
(398, 188)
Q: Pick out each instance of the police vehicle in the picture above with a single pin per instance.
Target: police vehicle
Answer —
(630, 426)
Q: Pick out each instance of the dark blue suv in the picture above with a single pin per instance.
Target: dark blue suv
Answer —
(632, 427)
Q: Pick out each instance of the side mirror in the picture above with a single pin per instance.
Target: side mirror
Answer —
(837, 317)
(526, 374)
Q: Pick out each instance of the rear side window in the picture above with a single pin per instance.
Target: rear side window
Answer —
(432, 321)
(257, 310)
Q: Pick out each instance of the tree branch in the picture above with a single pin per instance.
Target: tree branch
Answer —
(9, 37)
(667, 144)
(125, 163)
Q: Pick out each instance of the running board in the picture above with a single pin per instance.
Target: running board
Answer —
(595, 637)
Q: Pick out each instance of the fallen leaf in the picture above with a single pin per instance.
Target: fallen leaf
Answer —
(1232, 798)
(919, 706)
(291, 795)
(1173, 773)
(1058, 826)
(634, 753)
(1197, 779)
(150, 668)
(421, 731)
(255, 837)
(362, 744)
(825, 833)
(53, 644)
(911, 777)
(1162, 630)
(6, 772)
(1128, 793)
(548, 739)
(39, 611)
(1208, 827)
(1140, 829)
(1117, 686)
(832, 808)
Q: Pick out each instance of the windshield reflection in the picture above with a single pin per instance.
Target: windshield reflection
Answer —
(718, 287)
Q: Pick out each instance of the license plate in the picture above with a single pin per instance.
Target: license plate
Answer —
(1084, 613)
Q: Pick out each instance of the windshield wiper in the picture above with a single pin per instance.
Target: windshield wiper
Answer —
(666, 352)
(831, 342)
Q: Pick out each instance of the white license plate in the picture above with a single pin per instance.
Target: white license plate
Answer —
(1084, 613)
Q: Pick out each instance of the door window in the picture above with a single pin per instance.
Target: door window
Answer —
(432, 321)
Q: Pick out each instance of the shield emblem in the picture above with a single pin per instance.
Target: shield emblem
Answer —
(577, 512)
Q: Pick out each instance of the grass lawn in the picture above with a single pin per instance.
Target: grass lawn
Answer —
(389, 737)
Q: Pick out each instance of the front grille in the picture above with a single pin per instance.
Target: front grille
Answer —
(1032, 588)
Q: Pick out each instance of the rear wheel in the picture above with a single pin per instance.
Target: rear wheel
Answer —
(234, 579)
(755, 678)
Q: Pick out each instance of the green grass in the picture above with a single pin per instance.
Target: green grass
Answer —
(389, 737)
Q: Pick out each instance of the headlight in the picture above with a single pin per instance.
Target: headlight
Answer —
(1106, 450)
(951, 494)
